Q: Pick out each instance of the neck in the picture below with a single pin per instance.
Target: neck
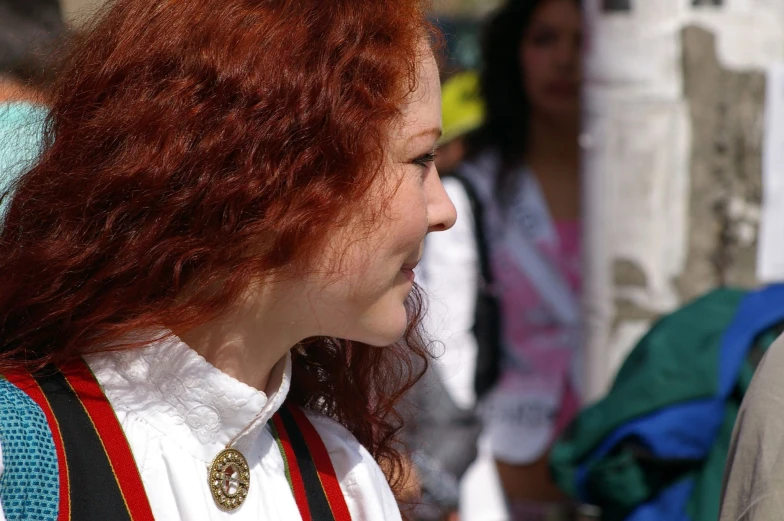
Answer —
(553, 144)
(247, 342)
(13, 90)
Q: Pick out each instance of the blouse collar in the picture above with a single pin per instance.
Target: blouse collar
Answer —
(170, 386)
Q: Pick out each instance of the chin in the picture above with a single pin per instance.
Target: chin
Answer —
(384, 338)
(386, 330)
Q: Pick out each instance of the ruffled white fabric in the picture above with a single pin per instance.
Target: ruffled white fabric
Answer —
(178, 411)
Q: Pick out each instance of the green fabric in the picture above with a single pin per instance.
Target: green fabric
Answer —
(676, 362)
(705, 499)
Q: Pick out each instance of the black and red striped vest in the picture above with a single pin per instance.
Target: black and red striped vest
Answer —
(66, 457)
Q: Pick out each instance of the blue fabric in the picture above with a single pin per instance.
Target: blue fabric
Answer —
(29, 486)
(669, 506)
(21, 132)
(671, 434)
(759, 311)
(668, 433)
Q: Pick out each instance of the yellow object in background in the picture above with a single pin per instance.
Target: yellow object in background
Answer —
(462, 106)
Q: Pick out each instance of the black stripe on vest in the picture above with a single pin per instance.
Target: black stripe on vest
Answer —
(317, 499)
(95, 494)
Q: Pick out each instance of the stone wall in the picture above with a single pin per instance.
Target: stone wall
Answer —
(727, 113)
(673, 146)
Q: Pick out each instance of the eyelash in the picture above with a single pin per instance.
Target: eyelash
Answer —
(426, 159)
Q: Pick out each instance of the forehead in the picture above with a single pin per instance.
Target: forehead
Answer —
(558, 13)
(422, 108)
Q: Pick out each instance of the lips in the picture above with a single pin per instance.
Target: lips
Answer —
(408, 270)
(409, 274)
(565, 89)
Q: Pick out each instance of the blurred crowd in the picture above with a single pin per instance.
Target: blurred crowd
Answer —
(504, 283)
(497, 429)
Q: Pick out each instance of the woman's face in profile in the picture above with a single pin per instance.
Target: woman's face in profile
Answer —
(364, 302)
(551, 58)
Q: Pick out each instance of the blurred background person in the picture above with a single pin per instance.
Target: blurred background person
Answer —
(522, 174)
(30, 31)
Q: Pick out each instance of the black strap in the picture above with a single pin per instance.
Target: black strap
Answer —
(317, 499)
(477, 209)
(94, 493)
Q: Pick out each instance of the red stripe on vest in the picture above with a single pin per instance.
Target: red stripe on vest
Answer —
(84, 384)
(297, 485)
(326, 472)
(27, 384)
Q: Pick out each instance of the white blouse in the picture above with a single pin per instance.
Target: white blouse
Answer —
(178, 412)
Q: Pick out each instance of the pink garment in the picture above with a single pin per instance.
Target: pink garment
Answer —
(530, 329)
(535, 397)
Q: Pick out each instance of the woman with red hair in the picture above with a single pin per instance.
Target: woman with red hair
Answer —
(208, 302)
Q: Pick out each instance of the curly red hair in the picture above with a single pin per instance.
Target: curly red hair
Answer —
(201, 144)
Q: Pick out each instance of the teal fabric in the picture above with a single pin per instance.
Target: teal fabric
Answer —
(21, 131)
(29, 486)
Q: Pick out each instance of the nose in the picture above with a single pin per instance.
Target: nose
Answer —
(569, 53)
(441, 213)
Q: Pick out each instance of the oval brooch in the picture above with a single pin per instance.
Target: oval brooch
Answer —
(229, 479)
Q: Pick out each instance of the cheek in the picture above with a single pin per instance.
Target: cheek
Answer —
(339, 293)
(533, 68)
(410, 220)
(364, 267)
(365, 301)
(376, 262)
(370, 260)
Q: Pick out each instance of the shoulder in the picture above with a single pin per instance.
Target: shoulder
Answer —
(21, 112)
(766, 392)
(362, 481)
(28, 458)
(753, 478)
(485, 162)
(481, 169)
(21, 130)
(21, 127)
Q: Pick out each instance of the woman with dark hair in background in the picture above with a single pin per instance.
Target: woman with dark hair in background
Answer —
(522, 173)
(208, 302)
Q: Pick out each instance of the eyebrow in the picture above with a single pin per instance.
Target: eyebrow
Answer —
(435, 131)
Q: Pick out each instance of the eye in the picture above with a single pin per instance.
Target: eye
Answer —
(425, 159)
(543, 36)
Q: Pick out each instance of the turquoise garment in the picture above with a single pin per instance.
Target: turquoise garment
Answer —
(29, 487)
(21, 131)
